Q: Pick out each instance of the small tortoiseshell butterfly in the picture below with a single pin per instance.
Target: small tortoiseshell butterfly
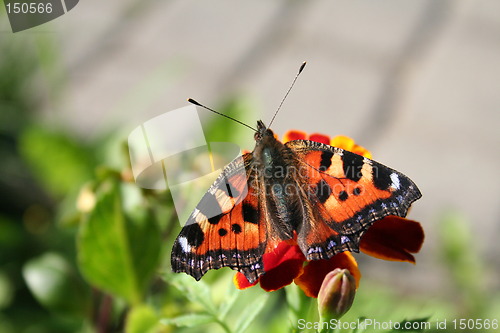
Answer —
(322, 196)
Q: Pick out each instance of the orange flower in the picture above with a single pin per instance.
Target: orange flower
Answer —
(391, 238)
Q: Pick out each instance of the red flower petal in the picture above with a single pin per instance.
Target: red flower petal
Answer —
(281, 266)
(393, 238)
(241, 282)
(282, 275)
(320, 138)
(294, 135)
(286, 250)
(315, 271)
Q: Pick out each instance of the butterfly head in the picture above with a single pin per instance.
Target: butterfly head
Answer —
(262, 132)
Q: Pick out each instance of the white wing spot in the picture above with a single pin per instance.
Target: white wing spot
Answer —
(184, 244)
(395, 181)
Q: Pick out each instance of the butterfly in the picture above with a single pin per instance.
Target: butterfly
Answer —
(321, 196)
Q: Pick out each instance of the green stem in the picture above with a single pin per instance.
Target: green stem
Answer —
(326, 329)
(223, 325)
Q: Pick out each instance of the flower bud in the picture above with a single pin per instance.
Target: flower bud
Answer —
(336, 294)
(86, 199)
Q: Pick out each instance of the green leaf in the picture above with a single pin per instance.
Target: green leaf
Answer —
(221, 129)
(357, 328)
(6, 291)
(53, 283)
(58, 161)
(11, 235)
(463, 262)
(251, 311)
(228, 303)
(118, 252)
(190, 320)
(293, 297)
(299, 305)
(418, 323)
(142, 319)
(197, 292)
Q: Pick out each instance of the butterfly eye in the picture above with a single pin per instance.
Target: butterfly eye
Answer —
(269, 132)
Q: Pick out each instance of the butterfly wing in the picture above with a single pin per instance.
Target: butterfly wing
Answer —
(344, 194)
(227, 228)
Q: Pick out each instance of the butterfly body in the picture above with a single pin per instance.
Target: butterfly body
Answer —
(274, 168)
(323, 198)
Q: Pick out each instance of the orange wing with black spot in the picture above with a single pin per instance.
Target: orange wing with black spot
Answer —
(345, 193)
(228, 228)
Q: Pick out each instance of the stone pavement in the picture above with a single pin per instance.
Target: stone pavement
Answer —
(416, 82)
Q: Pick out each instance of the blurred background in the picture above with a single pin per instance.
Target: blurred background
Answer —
(415, 82)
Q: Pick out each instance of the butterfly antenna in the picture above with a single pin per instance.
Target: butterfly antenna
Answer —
(192, 101)
(291, 86)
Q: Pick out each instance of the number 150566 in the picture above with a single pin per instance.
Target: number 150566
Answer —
(29, 8)
(475, 324)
